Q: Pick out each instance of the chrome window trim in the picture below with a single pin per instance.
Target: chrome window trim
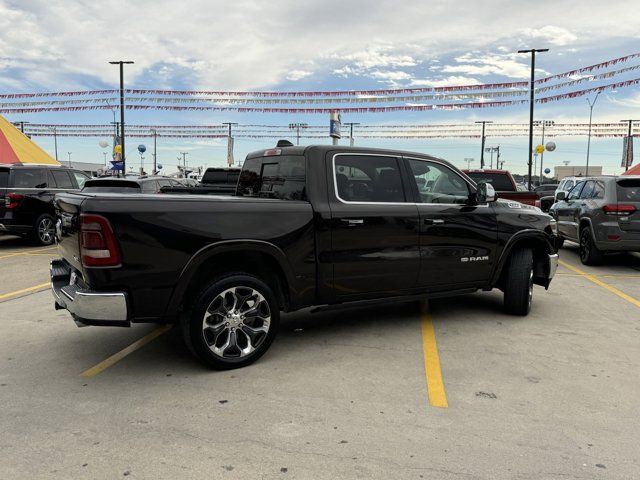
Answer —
(335, 182)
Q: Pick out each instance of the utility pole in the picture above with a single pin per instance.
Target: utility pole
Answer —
(469, 160)
(351, 124)
(591, 104)
(629, 145)
(22, 124)
(155, 160)
(122, 63)
(297, 127)
(533, 52)
(184, 163)
(229, 143)
(55, 141)
(483, 122)
(545, 123)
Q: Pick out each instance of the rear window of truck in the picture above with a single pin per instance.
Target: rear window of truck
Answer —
(500, 182)
(280, 177)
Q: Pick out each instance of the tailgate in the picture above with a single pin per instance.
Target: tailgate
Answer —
(68, 209)
(628, 194)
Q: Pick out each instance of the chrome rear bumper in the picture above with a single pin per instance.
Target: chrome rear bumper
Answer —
(87, 307)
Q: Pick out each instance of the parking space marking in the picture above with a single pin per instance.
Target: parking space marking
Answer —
(115, 358)
(34, 289)
(597, 281)
(28, 252)
(433, 372)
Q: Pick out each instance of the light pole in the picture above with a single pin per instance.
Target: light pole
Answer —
(351, 124)
(184, 163)
(22, 124)
(469, 160)
(591, 104)
(155, 160)
(533, 52)
(297, 127)
(55, 141)
(122, 63)
(483, 122)
(69, 153)
(628, 161)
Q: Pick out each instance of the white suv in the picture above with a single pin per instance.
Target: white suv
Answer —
(566, 184)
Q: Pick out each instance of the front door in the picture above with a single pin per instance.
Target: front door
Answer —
(374, 227)
(457, 240)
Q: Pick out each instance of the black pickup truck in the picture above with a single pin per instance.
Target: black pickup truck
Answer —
(308, 226)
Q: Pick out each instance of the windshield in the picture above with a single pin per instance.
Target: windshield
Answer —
(500, 181)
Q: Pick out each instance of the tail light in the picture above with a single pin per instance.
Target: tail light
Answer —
(619, 209)
(538, 203)
(98, 244)
(12, 200)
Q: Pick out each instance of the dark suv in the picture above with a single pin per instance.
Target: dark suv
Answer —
(130, 185)
(26, 198)
(601, 214)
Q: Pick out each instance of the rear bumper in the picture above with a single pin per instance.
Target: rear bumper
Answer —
(622, 245)
(87, 307)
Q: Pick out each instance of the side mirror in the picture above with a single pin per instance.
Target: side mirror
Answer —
(485, 193)
(561, 196)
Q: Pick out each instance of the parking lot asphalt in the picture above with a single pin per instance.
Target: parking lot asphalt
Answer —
(340, 394)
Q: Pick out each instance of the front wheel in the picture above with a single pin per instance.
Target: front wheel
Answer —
(518, 282)
(233, 322)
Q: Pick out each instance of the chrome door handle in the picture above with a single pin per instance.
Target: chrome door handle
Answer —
(433, 221)
(352, 221)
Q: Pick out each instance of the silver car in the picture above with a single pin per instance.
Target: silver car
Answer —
(601, 214)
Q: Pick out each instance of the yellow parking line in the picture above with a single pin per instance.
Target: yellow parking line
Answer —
(27, 252)
(604, 285)
(115, 358)
(8, 296)
(435, 385)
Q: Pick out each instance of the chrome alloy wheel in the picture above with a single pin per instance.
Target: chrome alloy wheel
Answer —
(46, 230)
(236, 322)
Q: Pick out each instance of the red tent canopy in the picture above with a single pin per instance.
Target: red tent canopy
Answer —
(633, 170)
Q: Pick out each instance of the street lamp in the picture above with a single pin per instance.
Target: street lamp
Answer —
(297, 127)
(351, 124)
(491, 150)
(591, 104)
(69, 153)
(469, 160)
(483, 122)
(122, 63)
(533, 52)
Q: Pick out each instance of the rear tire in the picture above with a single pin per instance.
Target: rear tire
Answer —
(44, 230)
(589, 253)
(232, 322)
(518, 282)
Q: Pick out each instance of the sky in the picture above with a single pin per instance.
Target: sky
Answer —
(288, 45)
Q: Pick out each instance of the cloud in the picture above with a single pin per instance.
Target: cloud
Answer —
(505, 65)
(554, 35)
(391, 75)
(452, 80)
(295, 75)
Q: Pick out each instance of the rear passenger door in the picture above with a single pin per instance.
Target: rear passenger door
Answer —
(568, 212)
(374, 226)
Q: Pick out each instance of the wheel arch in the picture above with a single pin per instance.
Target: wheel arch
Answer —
(262, 259)
(541, 247)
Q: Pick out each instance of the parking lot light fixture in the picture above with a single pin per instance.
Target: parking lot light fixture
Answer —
(533, 52)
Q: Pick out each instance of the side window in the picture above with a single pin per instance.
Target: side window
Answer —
(150, 186)
(282, 177)
(568, 186)
(598, 190)
(29, 178)
(368, 178)
(437, 183)
(80, 179)
(587, 190)
(62, 179)
(575, 191)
